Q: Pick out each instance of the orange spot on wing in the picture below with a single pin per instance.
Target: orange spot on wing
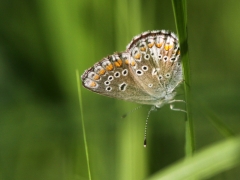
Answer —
(96, 77)
(118, 63)
(150, 45)
(133, 63)
(159, 45)
(93, 84)
(109, 67)
(101, 72)
(137, 56)
(167, 47)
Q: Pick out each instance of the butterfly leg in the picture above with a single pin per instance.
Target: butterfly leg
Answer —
(176, 109)
(176, 100)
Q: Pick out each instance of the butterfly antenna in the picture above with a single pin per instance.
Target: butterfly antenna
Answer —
(136, 108)
(145, 129)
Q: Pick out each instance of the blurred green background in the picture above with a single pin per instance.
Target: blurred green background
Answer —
(43, 42)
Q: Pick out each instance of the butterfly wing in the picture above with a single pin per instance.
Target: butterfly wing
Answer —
(157, 66)
(112, 77)
(146, 73)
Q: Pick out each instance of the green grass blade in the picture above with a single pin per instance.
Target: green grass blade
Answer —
(83, 126)
(180, 14)
(204, 164)
(131, 161)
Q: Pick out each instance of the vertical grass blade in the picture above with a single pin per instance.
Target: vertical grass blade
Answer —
(180, 14)
(83, 126)
(132, 156)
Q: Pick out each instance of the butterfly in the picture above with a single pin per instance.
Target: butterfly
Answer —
(147, 72)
